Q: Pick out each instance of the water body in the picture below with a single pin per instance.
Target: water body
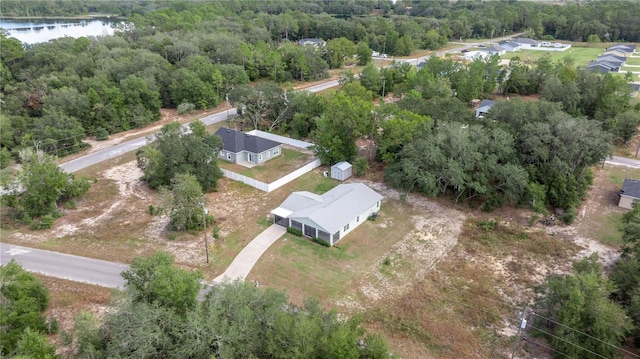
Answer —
(43, 30)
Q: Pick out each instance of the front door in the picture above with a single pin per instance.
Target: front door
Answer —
(250, 157)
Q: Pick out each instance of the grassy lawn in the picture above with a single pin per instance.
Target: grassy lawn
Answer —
(633, 61)
(630, 69)
(305, 268)
(269, 171)
(581, 55)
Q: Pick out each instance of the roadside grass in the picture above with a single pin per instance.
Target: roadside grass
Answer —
(463, 300)
(269, 171)
(581, 55)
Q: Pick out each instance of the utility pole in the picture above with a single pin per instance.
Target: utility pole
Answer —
(206, 243)
(521, 325)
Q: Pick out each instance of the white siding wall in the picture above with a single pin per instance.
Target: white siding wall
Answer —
(626, 202)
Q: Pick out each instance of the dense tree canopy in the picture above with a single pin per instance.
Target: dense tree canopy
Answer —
(156, 319)
(23, 300)
(178, 151)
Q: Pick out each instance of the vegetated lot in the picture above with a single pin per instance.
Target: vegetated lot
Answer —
(635, 61)
(581, 55)
(439, 280)
(289, 161)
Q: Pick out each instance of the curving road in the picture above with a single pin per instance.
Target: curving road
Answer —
(622, 161)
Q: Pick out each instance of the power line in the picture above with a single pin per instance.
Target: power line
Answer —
(583, 333)
(549, 348)
(567, 341)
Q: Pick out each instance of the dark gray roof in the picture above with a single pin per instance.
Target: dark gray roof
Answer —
(486, 102)
(607, 55)
(236, 141)
(627, 47)
(493, 48)
(332, 210)
(631, 188)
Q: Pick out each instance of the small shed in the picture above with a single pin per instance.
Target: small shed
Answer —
(630, 193)
(341, 170)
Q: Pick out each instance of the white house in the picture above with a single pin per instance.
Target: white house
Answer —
(330, 216)
(483, 108)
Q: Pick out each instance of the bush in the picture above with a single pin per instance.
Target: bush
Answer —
(488, 224)
(569, 216)
(373, 216)
(45, 222)
(152, 210)
(71, 204)
(321, 242)
(186, 108)
(360, 166)
(101, 134)
(295, 232)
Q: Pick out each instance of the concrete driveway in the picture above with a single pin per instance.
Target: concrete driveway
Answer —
(247, 258)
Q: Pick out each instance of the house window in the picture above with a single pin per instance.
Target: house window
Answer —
(357, 219)
(221, 152)
(268, 154)
(346, 228)
(228, 156)
(276, 151)
(378, 204)
(260, 157)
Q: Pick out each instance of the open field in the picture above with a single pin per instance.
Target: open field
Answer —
(581, 55)
(289, 161)
(635, 61)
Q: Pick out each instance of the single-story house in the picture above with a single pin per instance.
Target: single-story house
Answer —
(493, 50)
(341, 170)
(603, 67)
(617, 53)
(610, 61)
(623, 47)
(240, 147)
(526, 42)
(610, 56)
(330, 216)
(312, 41)
(476, 55)
(483, 108)
(510, 46)
(630, 193)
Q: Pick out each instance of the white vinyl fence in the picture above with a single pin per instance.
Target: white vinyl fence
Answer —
(281, 139)
(268, 187)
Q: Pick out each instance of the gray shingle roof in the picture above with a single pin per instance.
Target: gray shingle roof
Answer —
(344, 165)
(493, 48)
(332, 210)
(607, 55)
(524, 40)
(236, 141)
(631, 188)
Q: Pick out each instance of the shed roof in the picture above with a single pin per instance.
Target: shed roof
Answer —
(332, 210)
(236, 141)
(631, 188)
(344, 165)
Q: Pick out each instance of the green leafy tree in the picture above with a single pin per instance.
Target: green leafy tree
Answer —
(363, 52)
(24, 299)
(580, 301)
(184, 203)
(338, 50)
(34, 344)
(45, 186)
(175, 151)
(155, 280)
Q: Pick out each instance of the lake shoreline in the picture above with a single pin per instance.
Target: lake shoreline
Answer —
(77, 17)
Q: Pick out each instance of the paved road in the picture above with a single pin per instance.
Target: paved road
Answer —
(621, 161)
(247, 258)
(66, 266)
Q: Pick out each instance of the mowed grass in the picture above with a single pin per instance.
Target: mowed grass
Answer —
(580, 55)
(304, 268)
(269, 171)
(633, 61)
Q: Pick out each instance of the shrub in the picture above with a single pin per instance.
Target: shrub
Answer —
(360, 166)
(186, 108)
(321, 242)
(569, 216)
(101, 134)
(387, 261)
(71, 204)
(45, 222)
(488, 224)
(152, 210)
(295, 232)
(373, 216)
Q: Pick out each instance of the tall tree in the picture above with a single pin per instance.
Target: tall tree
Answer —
(184, 203)
(580, 301)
